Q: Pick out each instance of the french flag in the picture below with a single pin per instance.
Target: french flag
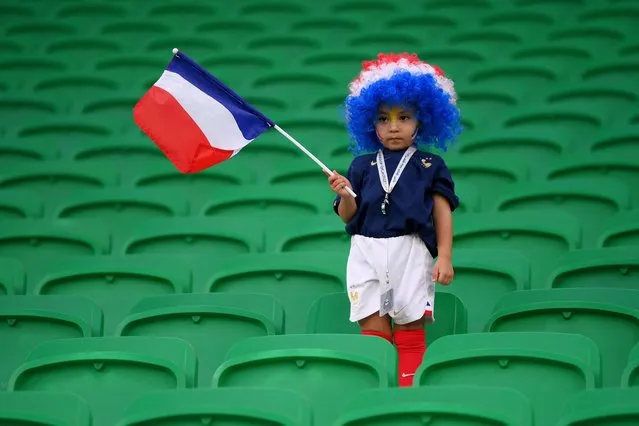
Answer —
(195, 119)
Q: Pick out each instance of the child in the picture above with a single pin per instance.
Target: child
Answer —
(398, 225)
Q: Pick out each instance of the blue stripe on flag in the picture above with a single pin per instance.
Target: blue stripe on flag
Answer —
(251, 122)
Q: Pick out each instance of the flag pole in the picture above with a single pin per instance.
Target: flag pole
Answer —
(312, 157)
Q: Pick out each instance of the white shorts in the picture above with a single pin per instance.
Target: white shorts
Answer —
(409, 265)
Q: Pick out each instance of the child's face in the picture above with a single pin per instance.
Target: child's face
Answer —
(396, 126)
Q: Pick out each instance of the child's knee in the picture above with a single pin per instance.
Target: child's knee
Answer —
(376, 323)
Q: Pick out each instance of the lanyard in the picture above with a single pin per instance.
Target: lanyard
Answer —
(383, 176)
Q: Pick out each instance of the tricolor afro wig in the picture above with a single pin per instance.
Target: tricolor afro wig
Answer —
(402, 79)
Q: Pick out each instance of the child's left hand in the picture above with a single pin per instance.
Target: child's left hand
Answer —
(443, 272)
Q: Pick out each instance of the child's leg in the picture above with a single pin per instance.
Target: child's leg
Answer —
(410, 340)
(374, 325)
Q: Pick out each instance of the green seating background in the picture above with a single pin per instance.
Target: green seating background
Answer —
(135, 295)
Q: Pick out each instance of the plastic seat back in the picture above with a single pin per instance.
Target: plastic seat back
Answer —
(107, 372)
(296, 280)
(53, 409)
(602, 407)
(115, 283)
(194, 407)
(526, 362)
(597, 268)
(482, 277)
(630, 377)
(483, 406)
(211, 323)
(608, 316)
(326, 368)
(541, 240)
(26, 321)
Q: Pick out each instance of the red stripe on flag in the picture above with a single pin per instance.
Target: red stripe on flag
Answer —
(172, 129)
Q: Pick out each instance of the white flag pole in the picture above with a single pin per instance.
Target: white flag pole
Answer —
(312, 157)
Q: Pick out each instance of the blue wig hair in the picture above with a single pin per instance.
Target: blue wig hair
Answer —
(439, 120)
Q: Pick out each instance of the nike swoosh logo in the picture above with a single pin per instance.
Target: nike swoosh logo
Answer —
(404, 375)
(373, 163)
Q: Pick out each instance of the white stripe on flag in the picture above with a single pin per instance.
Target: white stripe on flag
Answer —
(215, 121)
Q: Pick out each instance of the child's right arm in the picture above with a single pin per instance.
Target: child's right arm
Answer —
(347, 205)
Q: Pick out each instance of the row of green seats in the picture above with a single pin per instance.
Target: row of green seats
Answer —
(93, 301)
(329, 370)
(482, 405)
(294, 192)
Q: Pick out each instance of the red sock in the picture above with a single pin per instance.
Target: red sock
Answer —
(388, 337)
(411, 346)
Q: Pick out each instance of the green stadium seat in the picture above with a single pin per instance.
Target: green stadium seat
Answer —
(324, 233)
(265, 202)
(482, 277)
(117, 205)
(630, 377)
(386, 40)
(21, 73)
(600, 38)
(53, 409)
(606, 104)
(238, 71)
(12, 277)
(136, 150)
(510, 143)
(601, 167)
(23, 238)
(161, 174)
(483, 42)
(108, 373)
(615, 267)
(283, 47)
(601, 407)
(296, 280)
(73, 49)
(340, 64)
(192, 12)
(231, 31)
(622, 230)
(115, 283)
(23, 110)
(609, 316)
(481, 103)
(16, 204)
(485, 171)
(560, 57)
(482, 406)
(194, 235)
(326, 368)
(529, 25)
(539, 239)
(617, 145)
(588, 200)
(65, 87)
(211, 323)
(30, 320)
(525, 361)
(55, 178)
(259, 407)
(330, 29)
(564, 124)
(13, 153)
(329, 314)
(618, 74)
(621, 17)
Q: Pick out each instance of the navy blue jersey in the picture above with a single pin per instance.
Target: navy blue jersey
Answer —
(411, 201)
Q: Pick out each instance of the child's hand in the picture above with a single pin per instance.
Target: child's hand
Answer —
(339, 184)
(443, 272)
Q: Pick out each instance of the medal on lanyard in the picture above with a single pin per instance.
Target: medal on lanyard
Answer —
(383, 176)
